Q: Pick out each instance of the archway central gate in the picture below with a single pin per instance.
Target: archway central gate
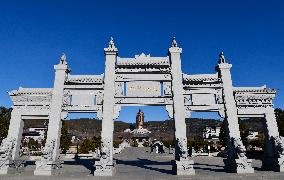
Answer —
(142, 80)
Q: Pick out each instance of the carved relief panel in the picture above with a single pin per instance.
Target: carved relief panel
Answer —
(99, 98)
(219, 96)
(187, 99)
(167, 86)
(119, 89)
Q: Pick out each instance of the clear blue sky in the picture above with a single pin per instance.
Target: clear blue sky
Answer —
(33, 35)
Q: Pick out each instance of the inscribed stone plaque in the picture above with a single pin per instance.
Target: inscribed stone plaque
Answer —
(203, 99)
(82, 98)
(143, 89)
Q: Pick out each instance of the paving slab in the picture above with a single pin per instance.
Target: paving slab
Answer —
(139, 163)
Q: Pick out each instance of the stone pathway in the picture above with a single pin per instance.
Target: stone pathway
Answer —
(139, 163)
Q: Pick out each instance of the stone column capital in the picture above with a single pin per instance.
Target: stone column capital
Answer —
(175, 50)
(225, 66)
(60, 67)
(109, 51)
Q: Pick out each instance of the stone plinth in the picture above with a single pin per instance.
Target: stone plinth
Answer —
(102, 169)
(183, 167)
(47, 168)
(11, 166)
(240, 166)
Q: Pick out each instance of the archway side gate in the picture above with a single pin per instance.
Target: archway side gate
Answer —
(142, 80)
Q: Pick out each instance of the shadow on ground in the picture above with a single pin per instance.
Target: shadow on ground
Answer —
(146, 163)
(208, 167)
(87, 163)
(29, 163)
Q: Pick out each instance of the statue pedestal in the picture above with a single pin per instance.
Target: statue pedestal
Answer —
(48, 168)
(11, 166)
(103, 169)
(273, 164)
(183, 167)
(240, 166)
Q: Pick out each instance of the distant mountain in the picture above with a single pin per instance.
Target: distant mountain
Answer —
(254, 124)
(160, 129)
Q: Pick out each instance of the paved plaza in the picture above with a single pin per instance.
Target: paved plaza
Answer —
(139, 163)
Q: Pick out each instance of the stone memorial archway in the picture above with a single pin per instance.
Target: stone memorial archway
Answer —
(142, 80)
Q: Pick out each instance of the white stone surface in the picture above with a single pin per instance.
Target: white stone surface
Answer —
(105, 166)
(161, 82)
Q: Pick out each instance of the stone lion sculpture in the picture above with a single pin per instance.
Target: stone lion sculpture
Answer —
(47, 151)
(105, 154)
(182, 148)
(105, 149)
(46, 157)
(239, 147)
(6, 148)
(279, 144)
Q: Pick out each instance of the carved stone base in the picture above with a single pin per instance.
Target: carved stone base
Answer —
(273, 164)
(47, 168)
(104, 170)
(183, 167)
(239, 166)
(11, 166)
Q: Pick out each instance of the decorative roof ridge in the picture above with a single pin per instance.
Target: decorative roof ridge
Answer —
(30, 91)
(201, 77)
(87, 75)
(145, 58)
(262, 89)
(85, 79)
(143, 61)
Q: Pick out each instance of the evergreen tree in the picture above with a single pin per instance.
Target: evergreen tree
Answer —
(87, 145)
(223, 134)
(169, 143)
(97, 142)
(116, 143)
(90, 144)
(5, 115)
(244, 132)
(64, 139)
(280, 120)
(33, 144)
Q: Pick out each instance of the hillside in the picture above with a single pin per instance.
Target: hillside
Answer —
(160, 129)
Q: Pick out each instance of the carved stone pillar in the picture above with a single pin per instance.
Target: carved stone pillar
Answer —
(274, 144)
(50, 162)
(236, 160)
(182, 164)
(10, 147)
(105, 167)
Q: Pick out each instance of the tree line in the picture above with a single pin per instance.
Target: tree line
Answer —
(90, 144)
